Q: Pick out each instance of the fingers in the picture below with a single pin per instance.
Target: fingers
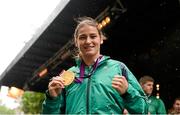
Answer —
(120, 84)
(57, 82)
(118, 80)
(54, 80)
(56, 85)
(61, 72)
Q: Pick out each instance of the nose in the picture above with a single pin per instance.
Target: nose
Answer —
(178, 105)
(88, 40)
(151, 87)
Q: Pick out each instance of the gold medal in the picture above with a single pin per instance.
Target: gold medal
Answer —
(68, 77)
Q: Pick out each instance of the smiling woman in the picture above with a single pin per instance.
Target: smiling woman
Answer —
(16, 31)
(101, 85)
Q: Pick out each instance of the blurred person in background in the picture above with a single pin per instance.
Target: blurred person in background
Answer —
(156, 106)
(176, 107)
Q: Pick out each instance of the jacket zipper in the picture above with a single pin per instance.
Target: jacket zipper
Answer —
(87, 96)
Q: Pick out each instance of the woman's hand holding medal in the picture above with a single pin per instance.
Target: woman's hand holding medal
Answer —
(59, 82)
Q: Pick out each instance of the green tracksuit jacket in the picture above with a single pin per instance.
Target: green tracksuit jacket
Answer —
(95, 95)
(156, 106)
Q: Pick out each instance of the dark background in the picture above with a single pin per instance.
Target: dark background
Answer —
(147, 39)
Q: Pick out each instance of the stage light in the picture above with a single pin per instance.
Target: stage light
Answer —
(100, 26)
(103, 23)
(157, 88)
(107, 19)
(157, 85)
(43, 72)
(157, 95)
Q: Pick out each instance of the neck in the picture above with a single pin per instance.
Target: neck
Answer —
(88, 60)
(148, 95)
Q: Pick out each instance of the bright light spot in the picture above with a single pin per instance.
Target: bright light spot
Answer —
(15, 92)
(19, 21)
(7, 100)
(157, 85)
(4, 91)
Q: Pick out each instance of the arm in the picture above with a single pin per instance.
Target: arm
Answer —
(134, 102)
(134, 98)
(161, 107)
(55, 96)
(53, 105)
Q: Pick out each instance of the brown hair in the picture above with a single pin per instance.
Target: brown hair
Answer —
(145, 78)
(89, 21)
(177, 98)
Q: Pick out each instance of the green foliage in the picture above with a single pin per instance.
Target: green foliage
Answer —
(5, 110)
(32, 102)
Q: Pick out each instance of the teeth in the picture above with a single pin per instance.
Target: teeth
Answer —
(88, 47)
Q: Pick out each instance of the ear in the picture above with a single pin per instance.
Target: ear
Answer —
(102, 41)
(141, 84)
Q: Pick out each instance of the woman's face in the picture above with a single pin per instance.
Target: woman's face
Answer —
(177, 106)
(88, 40)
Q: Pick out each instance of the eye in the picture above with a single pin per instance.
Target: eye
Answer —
(93, 36)
(82, 37)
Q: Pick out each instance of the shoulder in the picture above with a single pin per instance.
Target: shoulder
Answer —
(157, 99)
(154, 98)
(106, 60)
(113, 61)
(118, 64)
(73, 68)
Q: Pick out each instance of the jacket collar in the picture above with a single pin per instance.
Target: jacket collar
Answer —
(103, 59)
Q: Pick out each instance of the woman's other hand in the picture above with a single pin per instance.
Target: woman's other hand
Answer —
(120, 84)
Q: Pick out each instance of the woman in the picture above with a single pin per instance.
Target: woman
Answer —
(176, 107)
(102, 85)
